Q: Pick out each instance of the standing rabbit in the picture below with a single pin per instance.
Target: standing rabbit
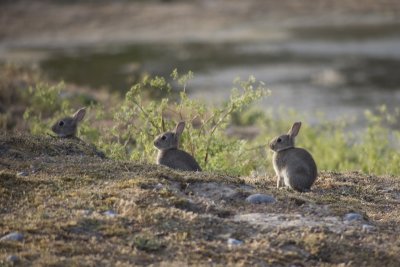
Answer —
(295, 167)
(66, 127)
(169, 154)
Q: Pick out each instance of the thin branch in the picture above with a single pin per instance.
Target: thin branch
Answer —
(213, 131)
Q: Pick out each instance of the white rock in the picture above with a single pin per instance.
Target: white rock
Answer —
(352, 216)
(110, 213)
(260, 199)
(21, 174)
(14, 236)
(158, 186)
(367, 228)
(234, 242)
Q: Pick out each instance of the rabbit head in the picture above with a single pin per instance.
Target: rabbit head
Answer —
(66, 127)
(285, 141)
(170, 140)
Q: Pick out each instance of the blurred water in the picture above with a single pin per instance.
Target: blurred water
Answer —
(340, 71)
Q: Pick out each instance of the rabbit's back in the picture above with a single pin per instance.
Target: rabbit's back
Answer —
(297, 167)
(177, 159)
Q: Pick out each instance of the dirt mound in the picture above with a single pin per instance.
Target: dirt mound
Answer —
(22, 146)
(68, 206)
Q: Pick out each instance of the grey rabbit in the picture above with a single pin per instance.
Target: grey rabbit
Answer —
(169, 154)
(295, 167)
(66, 127)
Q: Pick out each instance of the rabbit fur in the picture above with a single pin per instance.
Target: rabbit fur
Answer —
(170, 155)
(295, 167)
(67, 127)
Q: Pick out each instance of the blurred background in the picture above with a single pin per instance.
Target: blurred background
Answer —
(336, 57)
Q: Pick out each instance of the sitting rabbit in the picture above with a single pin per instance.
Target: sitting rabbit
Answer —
(295, 167)
(169, 154)
(66, 127)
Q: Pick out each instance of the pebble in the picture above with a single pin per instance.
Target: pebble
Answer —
(158, 186)
(352, 216)
(110, 213)
(20, 174)
(366, 228)
(260, 198)
(13, 259)
(14, 236)
(234, 242)
(34, 168)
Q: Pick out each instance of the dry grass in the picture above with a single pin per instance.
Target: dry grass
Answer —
(174, 218)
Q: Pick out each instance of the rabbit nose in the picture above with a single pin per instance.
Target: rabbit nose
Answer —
(271, 145)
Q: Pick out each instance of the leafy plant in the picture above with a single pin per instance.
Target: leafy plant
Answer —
(45, 103)
(139, 120)
(126, 131)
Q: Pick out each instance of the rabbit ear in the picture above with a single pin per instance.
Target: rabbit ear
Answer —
(79, 115)
(179, 128)
(295, 129)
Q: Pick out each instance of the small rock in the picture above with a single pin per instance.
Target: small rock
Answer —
(14, 236)
(20, 174)
(260, 198)
(13, 259)
(110, 213)
(34, 168)
(366, 228)
(352, 216)
(234, 242)
(158, 186)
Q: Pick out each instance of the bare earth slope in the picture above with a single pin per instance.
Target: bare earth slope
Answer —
(72, 207)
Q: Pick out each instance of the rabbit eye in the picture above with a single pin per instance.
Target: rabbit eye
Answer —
(163, 137)
(61, 123)
(279, 140)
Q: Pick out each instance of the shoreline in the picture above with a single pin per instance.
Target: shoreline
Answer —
(122, 23)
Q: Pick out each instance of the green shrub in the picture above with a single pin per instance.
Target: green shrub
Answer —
(48, 103)
(45, 104)
(139, 120)
(126, 131)
(374, 149)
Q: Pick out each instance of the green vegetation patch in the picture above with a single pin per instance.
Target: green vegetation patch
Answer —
(231, 137)
(99, 200)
